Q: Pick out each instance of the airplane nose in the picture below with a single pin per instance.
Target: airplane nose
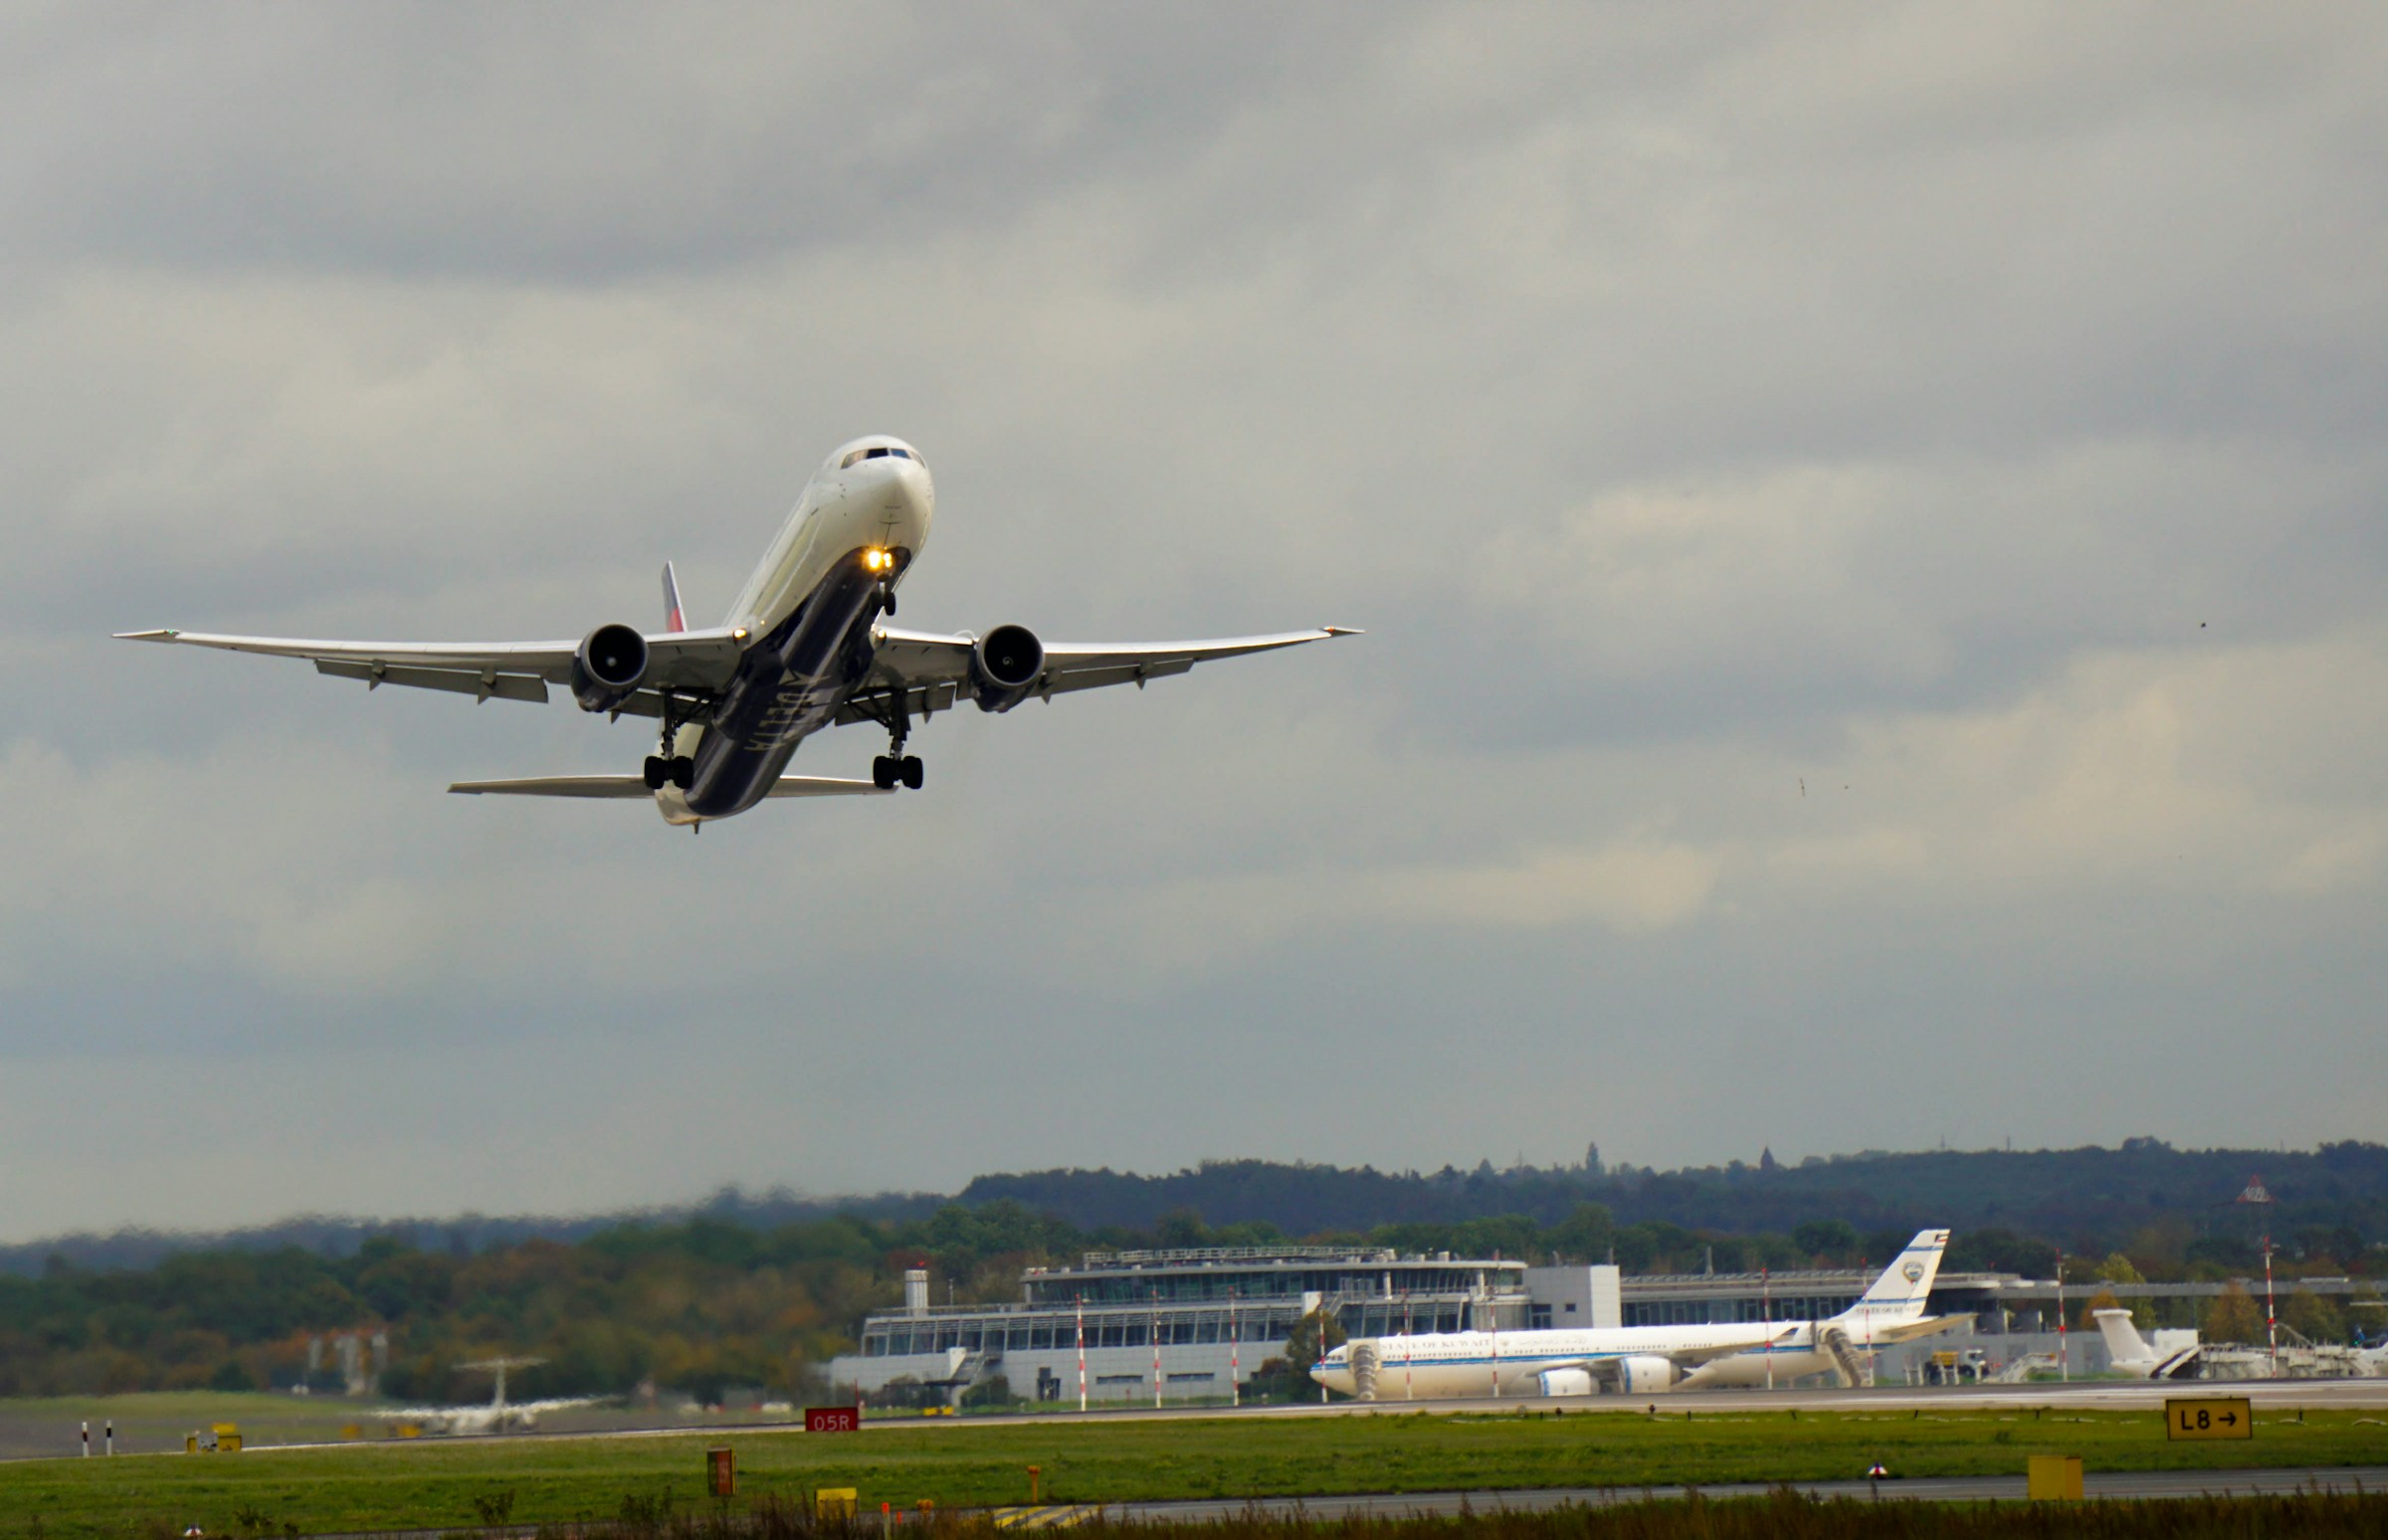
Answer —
(906, 495)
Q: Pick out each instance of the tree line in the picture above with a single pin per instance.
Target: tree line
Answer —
(705, 1304)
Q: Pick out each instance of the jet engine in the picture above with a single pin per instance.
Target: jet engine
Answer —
(1644, 1372)
(1566, 1382)
(1004, 667)
(608, 667)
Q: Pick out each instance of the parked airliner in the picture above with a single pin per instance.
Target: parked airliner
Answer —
(1641, 1360)
(804, 647)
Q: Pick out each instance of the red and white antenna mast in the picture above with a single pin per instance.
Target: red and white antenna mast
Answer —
(2255, 1193)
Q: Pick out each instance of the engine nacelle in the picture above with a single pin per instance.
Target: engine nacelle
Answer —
(1643, 1374)
(608, 667)
(1566, 1382)
(1004, 665)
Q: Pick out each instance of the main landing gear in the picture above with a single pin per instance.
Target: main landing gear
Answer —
(679, 771)
(896, 768)
(669, 768)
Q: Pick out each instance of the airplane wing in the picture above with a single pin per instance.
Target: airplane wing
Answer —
(631, 785)
(701, 661)
(929, 672)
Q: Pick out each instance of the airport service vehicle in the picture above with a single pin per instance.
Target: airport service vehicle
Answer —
(1644, 1360)
(805, 647)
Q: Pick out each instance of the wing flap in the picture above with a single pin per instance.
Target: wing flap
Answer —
(920, 702)
(505, 687)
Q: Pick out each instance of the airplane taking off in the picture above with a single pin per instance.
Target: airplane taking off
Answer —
(1641, 1360)
(803, 648)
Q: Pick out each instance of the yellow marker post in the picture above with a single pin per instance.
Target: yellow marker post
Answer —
(2054, 1478)
(2210, 1417)
(833, 1502)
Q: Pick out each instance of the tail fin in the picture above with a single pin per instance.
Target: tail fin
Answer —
(674, 618)
(1898, 1294)
(2125, 1345)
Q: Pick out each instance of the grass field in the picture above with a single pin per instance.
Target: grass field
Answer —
(432, 1485)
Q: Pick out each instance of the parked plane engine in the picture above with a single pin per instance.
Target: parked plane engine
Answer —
(608, 667)
(1566, 1382)
(1004, 665)
(1644, 1372)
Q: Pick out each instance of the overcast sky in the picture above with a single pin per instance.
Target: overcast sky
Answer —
(1873, 526)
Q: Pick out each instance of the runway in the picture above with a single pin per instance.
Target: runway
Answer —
(2079, 1396)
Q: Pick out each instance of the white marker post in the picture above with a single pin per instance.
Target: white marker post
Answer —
(112, 1436)
(1493, 1321)
(1081, 1352)
(1234, 1354)
(1157, 1347)
(1766, 1309)
(1409, 1374)
(2063, 1359)
(2272, 1319)
(87, 1440)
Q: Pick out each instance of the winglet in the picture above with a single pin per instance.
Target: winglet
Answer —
(674, 619)
(1343, 631)
(148, 636)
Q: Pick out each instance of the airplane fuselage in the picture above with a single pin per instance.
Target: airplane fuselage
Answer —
(806, 619)
(1441, 1365)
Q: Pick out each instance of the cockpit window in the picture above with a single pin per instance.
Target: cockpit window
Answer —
(878, 452)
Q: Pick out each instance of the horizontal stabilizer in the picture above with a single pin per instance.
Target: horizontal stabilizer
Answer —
(634, 786)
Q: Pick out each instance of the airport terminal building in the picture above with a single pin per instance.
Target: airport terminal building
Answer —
(1204, 1318)
(1191, 1325)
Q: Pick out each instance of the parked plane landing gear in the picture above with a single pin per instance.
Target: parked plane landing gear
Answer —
(680, 772)
(888, 771)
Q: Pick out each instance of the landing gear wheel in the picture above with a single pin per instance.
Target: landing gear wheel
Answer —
(885, 773)
(909, 767)
(683, 772)
(657, 773)
(886, 598)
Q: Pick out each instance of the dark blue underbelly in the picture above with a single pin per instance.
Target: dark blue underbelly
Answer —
(789, 685)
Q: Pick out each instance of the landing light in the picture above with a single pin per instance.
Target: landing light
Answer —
(876, 559)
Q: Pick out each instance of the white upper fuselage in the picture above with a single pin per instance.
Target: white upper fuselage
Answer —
(872, 495)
